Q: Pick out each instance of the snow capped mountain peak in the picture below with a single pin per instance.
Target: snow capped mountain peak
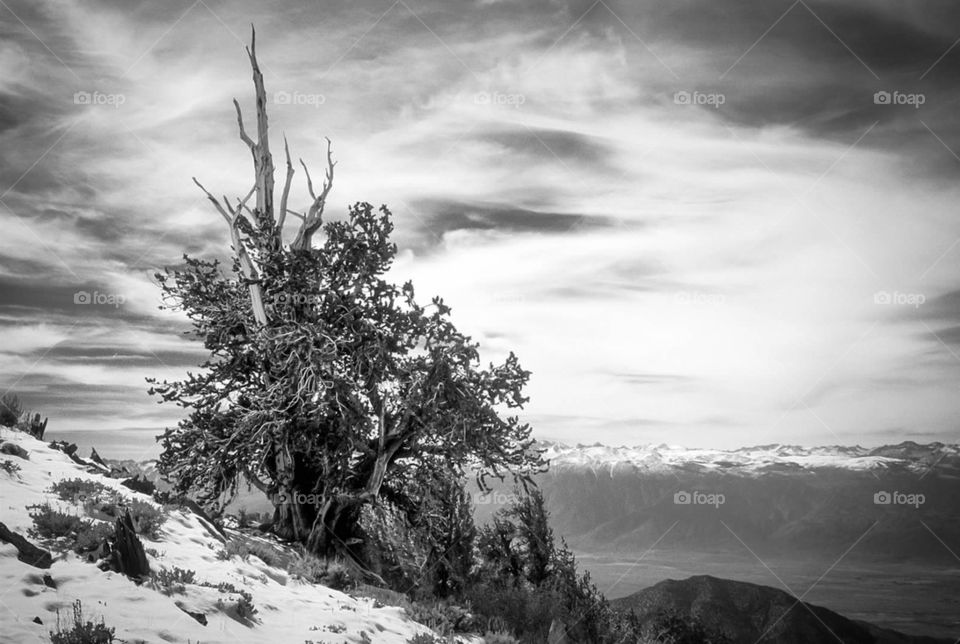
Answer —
(754, 459)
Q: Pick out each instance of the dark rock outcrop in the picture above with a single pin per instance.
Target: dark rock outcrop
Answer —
(64, 446)
(139, 484)
(126, 554)
(95, 457)
(200, 617)
(26, 551)
(13, 449)
(205, 519)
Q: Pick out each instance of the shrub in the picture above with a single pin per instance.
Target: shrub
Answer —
(11, 468)
(147, 518)
(53, 524)
(442, 617)
(500, 638)
(244, 607)
(10, 410)
(91, 535)
(424, 638)
(667, 627)
(243, 548)
(174, 580)
(315, 570)
(82, 490)
(82, 630)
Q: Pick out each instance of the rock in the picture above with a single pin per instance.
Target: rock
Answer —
(14, 450)
(96, 457)
(127, 555)
(140, 484)
(26, 551)
(205, 520)
(79, 461)
(64, 446)
(200, 617)
(37, 620)
(49, 582)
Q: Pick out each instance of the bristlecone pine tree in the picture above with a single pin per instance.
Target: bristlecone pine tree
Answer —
(327, 387)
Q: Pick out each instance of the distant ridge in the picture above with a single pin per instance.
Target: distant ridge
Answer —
(751, 613)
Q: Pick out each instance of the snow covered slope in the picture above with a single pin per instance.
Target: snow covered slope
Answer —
(289, 610)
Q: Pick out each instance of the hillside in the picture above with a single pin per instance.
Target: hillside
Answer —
(287, 609)
(756, 614)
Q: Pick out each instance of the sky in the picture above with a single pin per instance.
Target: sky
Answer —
(707, 223)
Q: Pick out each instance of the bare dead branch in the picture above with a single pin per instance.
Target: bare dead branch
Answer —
(246, 264)
(249, 194)
(309, 181)
(314, 217)
(243, 133)
(259, 150)
(214, 201)
(286, 191)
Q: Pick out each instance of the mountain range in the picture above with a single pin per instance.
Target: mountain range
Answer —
(896, 501)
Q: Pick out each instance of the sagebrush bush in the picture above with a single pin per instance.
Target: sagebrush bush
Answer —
(54, 524)
(80, 490)
(245, 608)
(147, 518)
(424, 638)
(173, 581)
(441, 616)
(317, 570)
(80, 630)
(11, 468)
(91, 535)
(243, 548)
